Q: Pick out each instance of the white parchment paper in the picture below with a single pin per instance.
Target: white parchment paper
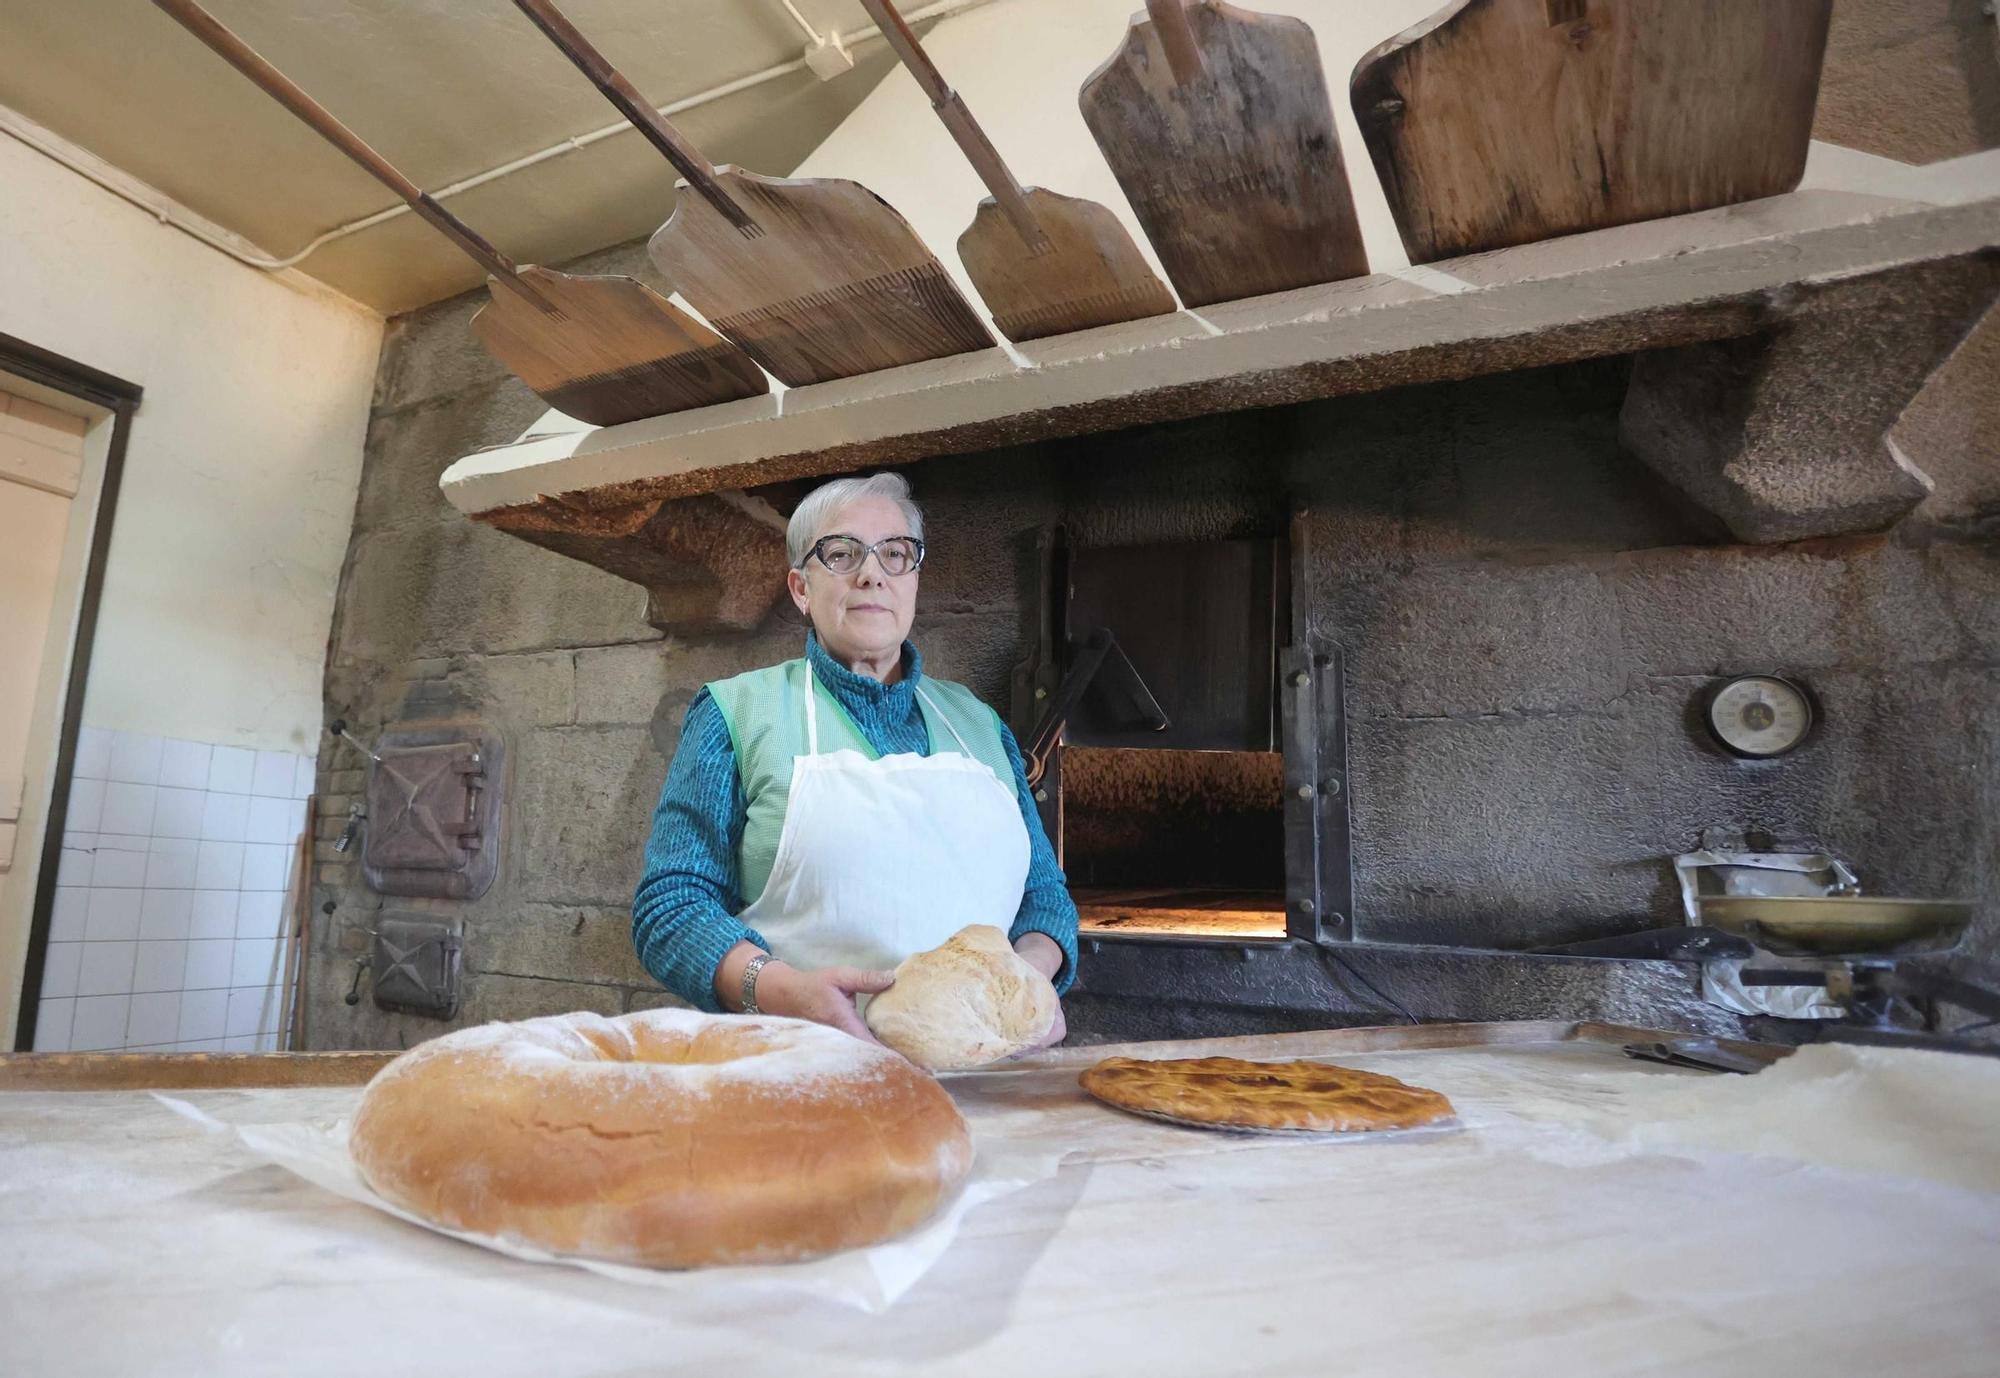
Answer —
(871, 1279)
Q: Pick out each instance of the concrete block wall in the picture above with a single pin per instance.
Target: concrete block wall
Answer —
(1528, 615)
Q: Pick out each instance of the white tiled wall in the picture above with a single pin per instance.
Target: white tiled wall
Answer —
(171, 912)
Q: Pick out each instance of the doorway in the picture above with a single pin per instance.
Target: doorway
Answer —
(63, 431)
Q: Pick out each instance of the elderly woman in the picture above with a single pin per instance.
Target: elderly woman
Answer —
(827, 817)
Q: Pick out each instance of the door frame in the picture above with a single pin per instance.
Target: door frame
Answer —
(121, 399)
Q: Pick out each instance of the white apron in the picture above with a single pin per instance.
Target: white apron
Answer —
(879, 859)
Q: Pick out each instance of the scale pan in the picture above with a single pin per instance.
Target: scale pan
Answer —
(1835, 925)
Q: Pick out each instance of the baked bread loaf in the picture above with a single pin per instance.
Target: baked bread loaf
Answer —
(1230, 1093)
(968, 1002)
(670, 1138)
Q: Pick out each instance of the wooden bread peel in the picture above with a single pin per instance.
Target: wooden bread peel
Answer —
(601, 349)
(816, 278)
(1045, 263)
(1216, 122)
(1498, 122)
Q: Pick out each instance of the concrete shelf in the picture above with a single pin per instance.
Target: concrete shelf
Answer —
(1723, 275)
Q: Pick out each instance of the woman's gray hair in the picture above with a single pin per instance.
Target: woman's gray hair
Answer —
(825, 502)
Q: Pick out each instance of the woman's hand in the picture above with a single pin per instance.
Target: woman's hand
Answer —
(1042, 952)
(825, 996)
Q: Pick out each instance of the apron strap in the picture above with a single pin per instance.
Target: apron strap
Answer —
(931, 703)
(812, 712)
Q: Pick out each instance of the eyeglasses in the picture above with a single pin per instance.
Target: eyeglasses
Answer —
(846, 554)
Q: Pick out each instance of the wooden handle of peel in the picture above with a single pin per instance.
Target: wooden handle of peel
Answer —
(685, 157)
(971, 139)
(279, 87)
(1170, 22)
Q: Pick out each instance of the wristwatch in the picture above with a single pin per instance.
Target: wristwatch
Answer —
(749, 989)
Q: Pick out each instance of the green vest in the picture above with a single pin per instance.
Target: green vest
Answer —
(765, 711)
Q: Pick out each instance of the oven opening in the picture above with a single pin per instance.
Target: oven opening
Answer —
(1167, 798)
(1166, 843)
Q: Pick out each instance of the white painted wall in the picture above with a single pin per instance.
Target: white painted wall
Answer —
(239, 481)
(245, 455)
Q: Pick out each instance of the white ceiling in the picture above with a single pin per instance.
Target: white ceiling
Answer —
(444, 89)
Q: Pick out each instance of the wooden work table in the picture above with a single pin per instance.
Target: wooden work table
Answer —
(133, 1242)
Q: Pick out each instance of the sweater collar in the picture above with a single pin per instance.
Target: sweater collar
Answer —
(855, 690)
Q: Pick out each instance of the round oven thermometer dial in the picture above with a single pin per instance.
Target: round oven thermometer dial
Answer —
(1759, 715)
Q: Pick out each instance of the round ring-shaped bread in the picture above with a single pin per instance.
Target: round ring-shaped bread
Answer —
(669, 1137)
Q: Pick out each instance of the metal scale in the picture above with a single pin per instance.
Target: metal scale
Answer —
(1865, 952)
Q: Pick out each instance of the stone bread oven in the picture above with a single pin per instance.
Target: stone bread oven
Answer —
(1511, 516)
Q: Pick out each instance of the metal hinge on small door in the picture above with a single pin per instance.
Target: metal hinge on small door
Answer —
(474, 772)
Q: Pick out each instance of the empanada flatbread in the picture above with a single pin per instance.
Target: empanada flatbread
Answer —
(1231, 1093)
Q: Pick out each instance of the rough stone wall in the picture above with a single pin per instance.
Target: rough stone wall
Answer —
(1913, 80)
(1528, 619)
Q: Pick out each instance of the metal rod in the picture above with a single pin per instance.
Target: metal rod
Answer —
(280, 88)
(1099, 648)
(338, 727)
(971, 139)
(685, 157)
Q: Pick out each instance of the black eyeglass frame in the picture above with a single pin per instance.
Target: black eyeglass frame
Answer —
(866, 551)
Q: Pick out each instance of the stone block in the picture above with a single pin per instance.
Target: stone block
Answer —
(1912, 80)
(566, 942)
(1951, 431)
(654, 999)
(1967, 579)
(1858, 601)
(1483, 639)
(1524, 467)
(408, 448)
(531, 689)
(623, 684)
(433, 353)
(1783, 437)
(977, 650)
(348, 935)
(981, 517)
(1219, 485)
(1541, 477)
(654, 682)
(1519, 471)
(584, 799)
(489, 997)
(462, 589)
(1501, 833)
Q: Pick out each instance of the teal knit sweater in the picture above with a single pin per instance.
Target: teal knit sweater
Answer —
(684, 914)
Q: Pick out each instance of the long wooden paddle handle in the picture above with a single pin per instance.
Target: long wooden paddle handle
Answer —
(685, 157)
(279, 87)
(965, 130)
(1170, 22)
